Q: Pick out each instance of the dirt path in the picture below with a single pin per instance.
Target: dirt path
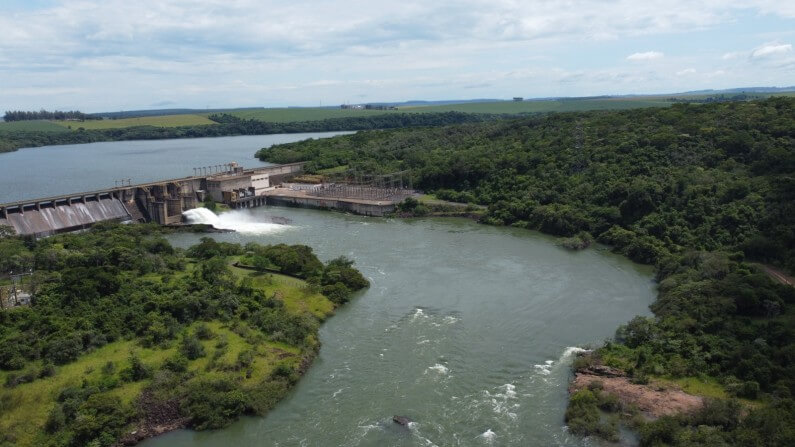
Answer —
(778, 275)
(653, 400)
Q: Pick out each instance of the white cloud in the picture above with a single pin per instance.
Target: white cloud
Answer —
(124, 54)
(686, 71)
(645, 56)
(771, 49)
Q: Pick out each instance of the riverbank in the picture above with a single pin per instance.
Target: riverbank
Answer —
(653, 399)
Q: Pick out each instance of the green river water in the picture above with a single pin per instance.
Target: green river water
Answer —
(467, 329)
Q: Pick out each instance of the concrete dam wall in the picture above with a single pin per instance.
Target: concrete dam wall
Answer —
(56, 217)
(161, 201)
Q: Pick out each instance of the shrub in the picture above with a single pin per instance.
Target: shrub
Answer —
(136, 371)
(176, 363)
(203, 332)
(191, 347)
(213, 404)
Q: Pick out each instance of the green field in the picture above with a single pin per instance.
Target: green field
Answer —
(292, 114)
(156, 121)
(563, 105)
(30, 126)
(284, 115)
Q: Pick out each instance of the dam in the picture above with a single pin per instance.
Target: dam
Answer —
(164, 201)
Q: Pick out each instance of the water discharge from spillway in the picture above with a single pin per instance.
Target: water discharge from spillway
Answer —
(239, 221)
(467, 330)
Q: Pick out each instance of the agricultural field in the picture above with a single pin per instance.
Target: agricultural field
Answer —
(30, 126)
(285, 115)
(156, 121)
(562, 105)
(292, 114)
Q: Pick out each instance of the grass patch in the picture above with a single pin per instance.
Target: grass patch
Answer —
(335, 170)
(293, 292)
(33, 401)
(707, 387)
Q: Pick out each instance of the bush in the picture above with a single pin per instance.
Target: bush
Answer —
(580, 241)
(136, 371)
(749, 390)
(203, 332)
(214, 404)
(337, 293)
(177, 363)
(55, 419)
(191, 347)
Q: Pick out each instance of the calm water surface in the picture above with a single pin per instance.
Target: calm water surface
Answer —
(467, 329)
(52, 170)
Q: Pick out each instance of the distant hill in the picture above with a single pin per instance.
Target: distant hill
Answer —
(417, 104)
(165, 112)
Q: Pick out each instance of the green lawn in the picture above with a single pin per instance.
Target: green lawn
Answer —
(292, 291)
(156, 121)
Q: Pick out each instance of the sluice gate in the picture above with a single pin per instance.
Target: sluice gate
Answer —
(47, 218)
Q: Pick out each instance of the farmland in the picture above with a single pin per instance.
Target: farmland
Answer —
(30, 126)
(293, 114)
(155, 121)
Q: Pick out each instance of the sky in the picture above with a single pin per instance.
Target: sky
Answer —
(113, 55)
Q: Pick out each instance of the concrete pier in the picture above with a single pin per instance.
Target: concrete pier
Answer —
(302, 199)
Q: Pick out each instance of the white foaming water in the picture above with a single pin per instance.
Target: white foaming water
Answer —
(488, 435)
(239, 221)
(441, 369)
(546, 368)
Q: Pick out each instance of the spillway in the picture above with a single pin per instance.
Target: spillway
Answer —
(57, 218)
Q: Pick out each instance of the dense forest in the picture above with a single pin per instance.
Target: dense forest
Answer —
(21, 115)
(706, 193)
(229, 125)
(128, 336)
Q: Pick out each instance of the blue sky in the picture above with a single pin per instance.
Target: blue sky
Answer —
(122, 55)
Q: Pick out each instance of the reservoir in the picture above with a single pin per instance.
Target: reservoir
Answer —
(467, 329)
(51, 170)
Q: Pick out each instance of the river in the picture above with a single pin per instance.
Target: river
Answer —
(467, 329)
(52, 170)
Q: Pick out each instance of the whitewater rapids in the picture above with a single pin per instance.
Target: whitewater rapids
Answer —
(239, 221)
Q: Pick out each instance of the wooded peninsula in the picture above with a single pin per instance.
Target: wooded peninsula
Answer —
(129, 337)
(705, 193)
